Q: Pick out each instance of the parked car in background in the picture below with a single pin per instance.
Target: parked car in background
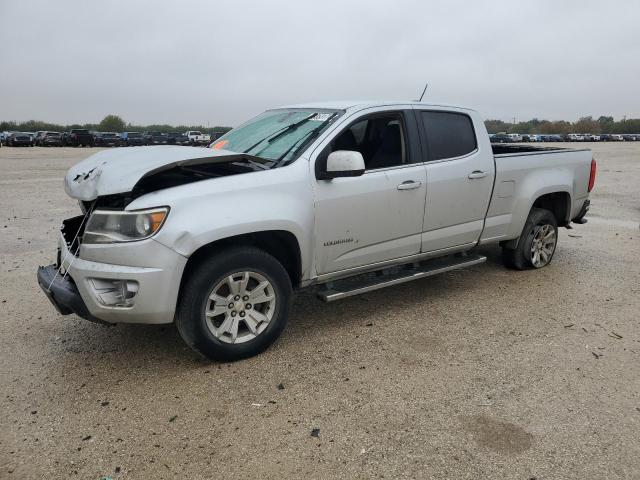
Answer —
(516, 137)
(133, 139)
(197, 138)
(37, 136)
(616, 138)
(630, 137)
(20, 139)
(501, 138)
(156, 138)
(49, 139)
(575, 137)
(79, 137)
(531, 137)
(216, 135)
(177, 138)
(107, 139)
(3, 137)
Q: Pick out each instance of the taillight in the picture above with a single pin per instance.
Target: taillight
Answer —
(592, 174)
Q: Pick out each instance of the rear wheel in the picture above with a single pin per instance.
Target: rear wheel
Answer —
(235, 304)
(536, 244)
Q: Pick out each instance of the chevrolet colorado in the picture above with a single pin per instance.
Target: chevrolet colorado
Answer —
(342, 197)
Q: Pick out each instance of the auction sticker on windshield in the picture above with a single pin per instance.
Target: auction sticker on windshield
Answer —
(219, 145)
(321, 117)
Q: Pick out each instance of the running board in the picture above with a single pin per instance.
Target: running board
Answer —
(351, 286)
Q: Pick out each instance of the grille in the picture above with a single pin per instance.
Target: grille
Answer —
(72, 230)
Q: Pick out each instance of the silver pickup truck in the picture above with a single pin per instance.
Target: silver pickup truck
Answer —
(343, 197)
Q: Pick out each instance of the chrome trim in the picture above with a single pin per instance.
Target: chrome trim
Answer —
(452, 159)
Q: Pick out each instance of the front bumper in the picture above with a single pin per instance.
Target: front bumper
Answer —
(62, 293)
(157, 278)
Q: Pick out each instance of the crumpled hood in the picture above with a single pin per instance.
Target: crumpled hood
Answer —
(118, 171)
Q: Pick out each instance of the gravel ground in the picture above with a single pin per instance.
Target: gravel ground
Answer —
(481, 373)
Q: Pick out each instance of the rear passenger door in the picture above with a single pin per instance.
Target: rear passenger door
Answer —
(459, 179)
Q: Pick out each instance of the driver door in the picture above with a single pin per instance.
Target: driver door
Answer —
(377, 216)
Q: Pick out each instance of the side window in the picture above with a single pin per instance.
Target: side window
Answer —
(380, 139)
(449, 135)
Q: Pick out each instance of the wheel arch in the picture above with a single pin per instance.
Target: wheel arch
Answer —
(281, 244)
(557, 201)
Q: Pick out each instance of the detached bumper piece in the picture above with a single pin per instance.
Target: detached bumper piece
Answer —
(63, 294)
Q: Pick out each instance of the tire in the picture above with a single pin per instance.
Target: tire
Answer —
(537, 243)
(213, 336)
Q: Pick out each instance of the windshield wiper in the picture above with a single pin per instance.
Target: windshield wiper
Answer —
(261, 166)
(278, 133)
(310, 134)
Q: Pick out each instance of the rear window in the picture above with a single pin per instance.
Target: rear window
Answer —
(449, 135)
(80, 131)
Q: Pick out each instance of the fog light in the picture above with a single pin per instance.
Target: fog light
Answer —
(113, 292)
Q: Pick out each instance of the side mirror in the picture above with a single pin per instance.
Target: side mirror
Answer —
(344, 163)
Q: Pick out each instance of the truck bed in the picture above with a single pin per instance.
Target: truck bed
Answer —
(507, 149)
(525, 173)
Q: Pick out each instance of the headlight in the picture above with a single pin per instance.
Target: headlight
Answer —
(106, 226)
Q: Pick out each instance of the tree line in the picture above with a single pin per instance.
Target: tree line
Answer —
(114, 123)
(110, 123)
(602, 124)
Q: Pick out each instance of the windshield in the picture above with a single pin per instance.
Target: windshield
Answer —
(276, 135)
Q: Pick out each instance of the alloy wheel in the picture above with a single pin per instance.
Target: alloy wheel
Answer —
(240, 307)
(543, 245)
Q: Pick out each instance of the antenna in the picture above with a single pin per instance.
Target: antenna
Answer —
(423, 91)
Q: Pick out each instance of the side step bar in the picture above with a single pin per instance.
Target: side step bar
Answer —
(357, 285)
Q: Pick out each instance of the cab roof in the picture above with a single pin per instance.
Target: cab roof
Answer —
(362, 104)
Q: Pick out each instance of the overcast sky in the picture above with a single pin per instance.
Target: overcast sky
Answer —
(219, 62)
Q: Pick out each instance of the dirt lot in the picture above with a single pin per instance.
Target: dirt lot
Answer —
(482, 373)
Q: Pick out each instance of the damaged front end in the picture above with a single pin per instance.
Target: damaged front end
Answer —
(116, 177)
(135, 279)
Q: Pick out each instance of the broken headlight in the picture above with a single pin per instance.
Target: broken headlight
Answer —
(106, 226)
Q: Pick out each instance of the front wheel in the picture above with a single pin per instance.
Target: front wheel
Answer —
(234, 304)
(536, 244)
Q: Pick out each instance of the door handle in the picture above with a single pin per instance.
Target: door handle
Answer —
(477, 174)
(409, 185)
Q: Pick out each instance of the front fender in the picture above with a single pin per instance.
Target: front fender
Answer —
(210, 210)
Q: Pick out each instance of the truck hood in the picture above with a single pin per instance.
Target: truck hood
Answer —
(118, 171)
